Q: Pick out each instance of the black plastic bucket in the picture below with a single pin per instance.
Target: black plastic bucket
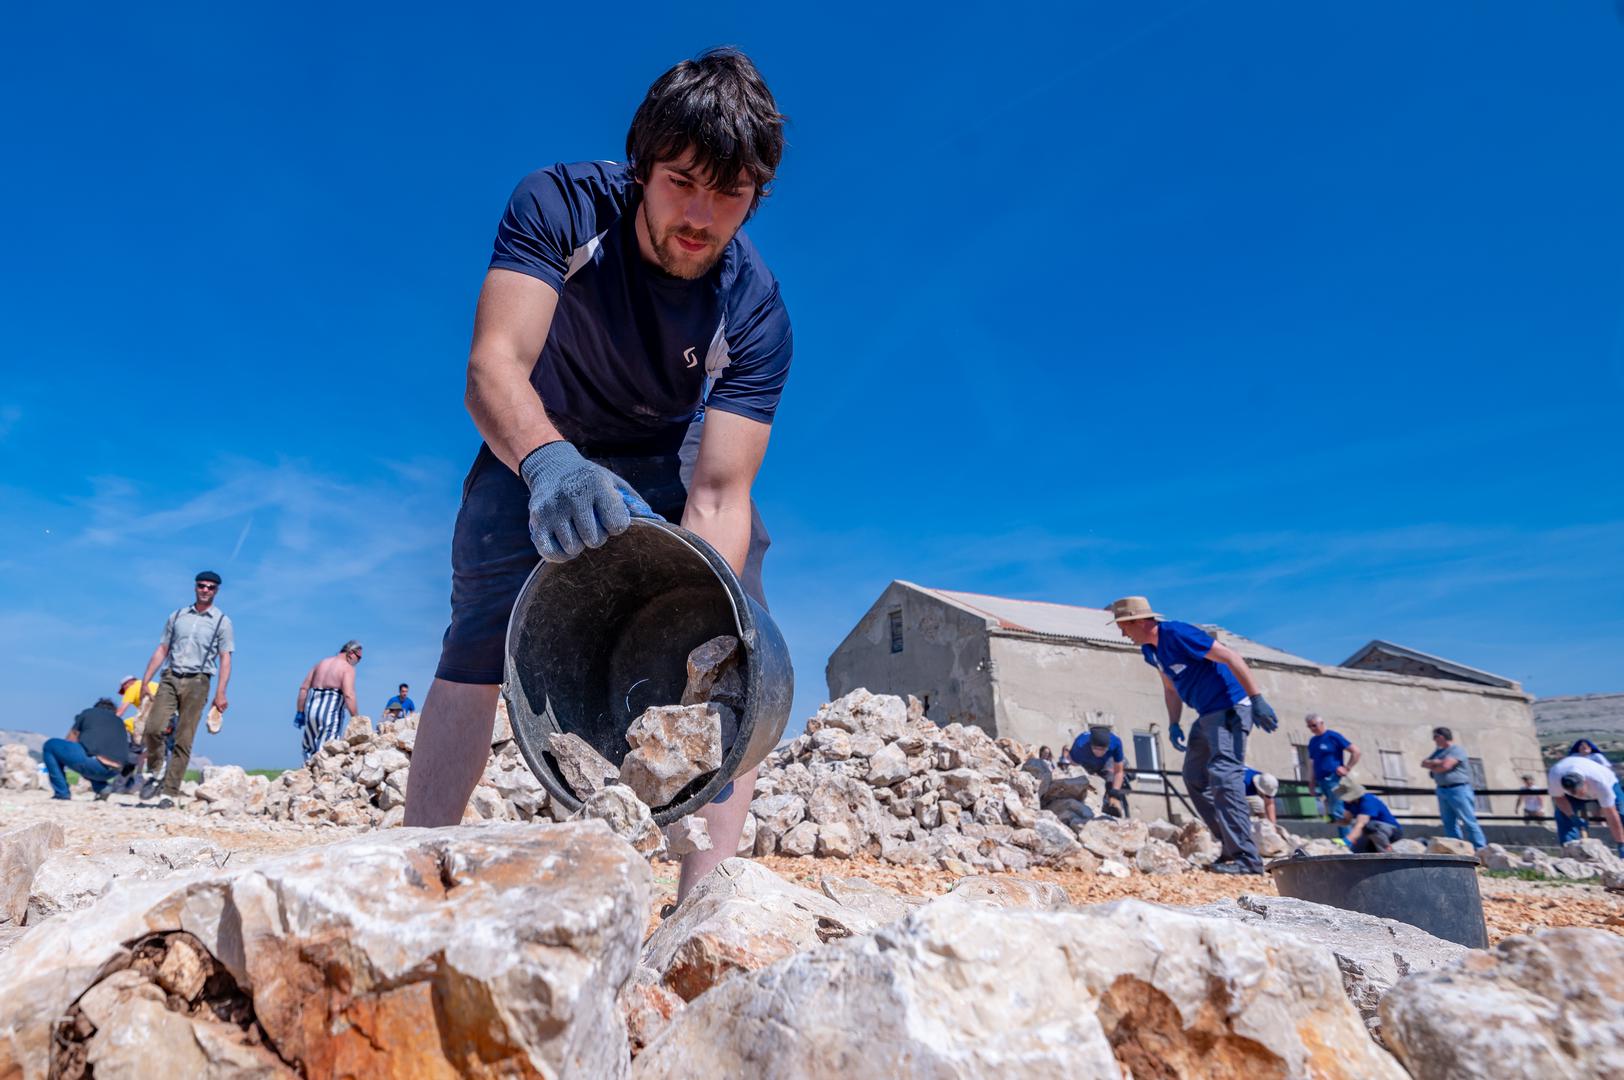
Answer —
(1437, 893)
(594, 641)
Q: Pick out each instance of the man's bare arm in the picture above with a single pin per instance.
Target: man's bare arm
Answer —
(153, 665)
(510, 327)
(730, 453)
(220, 701)
(1353, 759)
(1170, 695)
(1223, 654)
(348, 687)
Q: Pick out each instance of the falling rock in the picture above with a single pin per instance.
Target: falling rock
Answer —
(687, 835)
(586, 772)
(1446, 845)
(672, 745)
(22, 851)
(1067, 787)
(738, 918)
(1372, 953)
(494, 950)
(937, 995)
(627, 817)
(708, 663)
(880, 904)
(1005, 891)
(1159, 857)
(1546, 1005)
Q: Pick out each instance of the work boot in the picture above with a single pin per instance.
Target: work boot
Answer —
(1230, 866)
(150, 788)
(104, 794)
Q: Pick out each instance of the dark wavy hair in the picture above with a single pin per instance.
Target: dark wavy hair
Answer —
(719, 106)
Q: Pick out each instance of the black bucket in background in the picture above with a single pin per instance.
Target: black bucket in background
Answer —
(594, 641)
(1436, 893)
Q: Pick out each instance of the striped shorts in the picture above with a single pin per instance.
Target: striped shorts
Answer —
(325, 717)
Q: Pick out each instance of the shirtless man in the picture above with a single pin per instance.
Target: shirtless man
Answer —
(327, 698)
(629, 351)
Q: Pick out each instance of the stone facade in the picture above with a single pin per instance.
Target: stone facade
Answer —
(1040, 673)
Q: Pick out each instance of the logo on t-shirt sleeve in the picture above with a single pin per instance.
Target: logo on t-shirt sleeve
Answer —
(688, 355)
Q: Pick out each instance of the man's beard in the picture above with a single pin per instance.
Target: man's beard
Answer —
(672, 259)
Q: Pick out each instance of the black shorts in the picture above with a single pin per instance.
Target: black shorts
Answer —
(492, 553)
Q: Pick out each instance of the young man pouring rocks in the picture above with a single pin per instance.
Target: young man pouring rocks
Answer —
(629, 351)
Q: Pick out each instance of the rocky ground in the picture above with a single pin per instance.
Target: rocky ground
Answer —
(96, 829)
(921, 902)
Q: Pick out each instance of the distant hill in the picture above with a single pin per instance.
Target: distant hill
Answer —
(31, 739)
(1560, 720)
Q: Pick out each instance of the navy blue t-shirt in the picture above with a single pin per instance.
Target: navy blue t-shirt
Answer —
(1082, 752)
(1325, 751)
(1373, 808)
(635, 354)
(1180, 652)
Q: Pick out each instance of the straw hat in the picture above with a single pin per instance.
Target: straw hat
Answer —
(1350, 790)
(1131, 607)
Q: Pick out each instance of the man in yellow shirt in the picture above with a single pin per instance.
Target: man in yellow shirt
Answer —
(129, 693)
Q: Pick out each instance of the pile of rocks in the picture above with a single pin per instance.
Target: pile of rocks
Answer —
(1581, 860)
(872, 775)
(361, 780)
(18, 770)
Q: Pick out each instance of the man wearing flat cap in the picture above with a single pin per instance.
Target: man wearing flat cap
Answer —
(197, 642)
(1212, 679)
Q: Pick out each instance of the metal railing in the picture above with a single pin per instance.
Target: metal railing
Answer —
(1296, 790)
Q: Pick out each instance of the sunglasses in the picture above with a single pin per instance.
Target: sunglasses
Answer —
(207, 585)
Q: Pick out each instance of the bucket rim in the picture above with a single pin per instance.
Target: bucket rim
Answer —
(1371, 856)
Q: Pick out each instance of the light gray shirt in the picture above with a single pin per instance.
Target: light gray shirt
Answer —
(1460, 774)
(196, 640)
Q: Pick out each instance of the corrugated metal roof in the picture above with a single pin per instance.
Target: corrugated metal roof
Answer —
(1088, 624)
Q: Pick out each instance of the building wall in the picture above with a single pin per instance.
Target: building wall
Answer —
(1045, 692)
(944, 658)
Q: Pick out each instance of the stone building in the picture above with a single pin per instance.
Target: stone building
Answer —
(1041, 672)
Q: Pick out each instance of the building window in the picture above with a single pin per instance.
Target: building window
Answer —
(1480, 780)
(1302, 768)
(1393, 775)
(1146, 757)
(896, 631)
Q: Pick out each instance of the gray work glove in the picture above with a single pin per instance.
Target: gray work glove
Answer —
(575, 504)
(1263, 714)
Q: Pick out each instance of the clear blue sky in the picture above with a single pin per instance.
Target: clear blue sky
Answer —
(1301, 318)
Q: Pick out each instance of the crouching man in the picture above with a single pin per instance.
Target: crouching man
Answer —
(97, 748)
(1371, 826)
(629, 351)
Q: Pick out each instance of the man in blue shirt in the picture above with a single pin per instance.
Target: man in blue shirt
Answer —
(1214, 681)
(1371, 827)
(1099, 752)
(622, 306)
(401, 704)
(1325, 751)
